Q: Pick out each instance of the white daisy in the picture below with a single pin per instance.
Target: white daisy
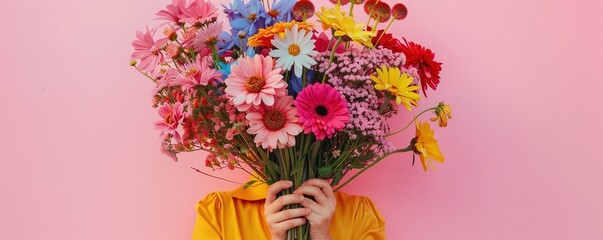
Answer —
(294, 50)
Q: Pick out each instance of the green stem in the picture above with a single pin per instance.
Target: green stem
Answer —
(304, 79)
(384, 30)
(407, 149)
(145, 74)
(324, 76)
(415, 118)
(209, 175)
(215, 56)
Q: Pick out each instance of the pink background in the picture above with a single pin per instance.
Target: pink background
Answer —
(80, 157)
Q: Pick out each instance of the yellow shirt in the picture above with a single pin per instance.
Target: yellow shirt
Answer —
(239, 215)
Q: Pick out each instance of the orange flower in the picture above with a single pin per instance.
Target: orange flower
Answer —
(426, 146)
(442, 112)
(265, 35)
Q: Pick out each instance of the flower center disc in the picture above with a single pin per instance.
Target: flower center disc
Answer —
(255, 84)
(252, 17)
(273, 13)
(169, 119)
(321, 110)
(294, 49)
(274, 120)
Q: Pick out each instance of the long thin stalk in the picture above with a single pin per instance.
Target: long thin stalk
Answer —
(411, 121)
(407, 149)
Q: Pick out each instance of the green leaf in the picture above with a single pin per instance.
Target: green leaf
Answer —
(358, 165)
(336, 179)
(248, 184)
(325, 171)
(297, 170)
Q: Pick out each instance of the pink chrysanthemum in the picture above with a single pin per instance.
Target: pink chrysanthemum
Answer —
(199, 11)
(172, 12)
(322, 110)
(208, 36)
(197, 73)
(274, 126)
(254, 81)
(172, 116)
(148, 50)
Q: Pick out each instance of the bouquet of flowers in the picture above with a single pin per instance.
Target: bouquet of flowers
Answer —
(272, 94)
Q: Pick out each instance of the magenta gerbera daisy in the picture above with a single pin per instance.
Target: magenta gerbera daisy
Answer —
(254, 81)
(274, 126)
(322, 110)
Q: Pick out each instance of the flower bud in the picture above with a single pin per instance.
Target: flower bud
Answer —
(399, 11)
(303, 9)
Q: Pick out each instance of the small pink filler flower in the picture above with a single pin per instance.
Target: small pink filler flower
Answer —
(172, 116)
(254, 81)
(274, 126)
(322, 110)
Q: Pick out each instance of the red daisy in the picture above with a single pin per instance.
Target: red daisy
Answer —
(421, 58)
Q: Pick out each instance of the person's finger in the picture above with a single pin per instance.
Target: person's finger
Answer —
(313, 191)
(287, 215)
(283, 201)
(288, 224)
(316, 209)
(324, 185)
(275, 188)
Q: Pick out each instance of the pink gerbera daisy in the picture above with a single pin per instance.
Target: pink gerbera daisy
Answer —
(254, 81)
(322, 110)
(148, 50)
(172, 116)
(199, 11)
(274, 126)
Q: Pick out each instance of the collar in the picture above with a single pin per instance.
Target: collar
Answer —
(255, 192)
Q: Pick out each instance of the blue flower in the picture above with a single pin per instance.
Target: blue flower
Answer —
(225, 42)
(296, 82)
(251, 17)
(225, 69)
(232, 12)
(280, 12)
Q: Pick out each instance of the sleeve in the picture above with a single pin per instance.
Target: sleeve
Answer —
(208, 224)
(368, 224)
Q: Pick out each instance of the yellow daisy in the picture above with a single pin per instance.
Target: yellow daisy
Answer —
(344, 25)
(398, 84)
(426, 146)
(442, 112)
(265, 35)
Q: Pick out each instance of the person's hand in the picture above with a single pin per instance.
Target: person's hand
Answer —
(322, 208)
(280, 221)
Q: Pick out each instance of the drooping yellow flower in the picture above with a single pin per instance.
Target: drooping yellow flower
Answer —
(398, 84)
(343, 24)
(265, 35)
(442, 112)
(426, 146)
